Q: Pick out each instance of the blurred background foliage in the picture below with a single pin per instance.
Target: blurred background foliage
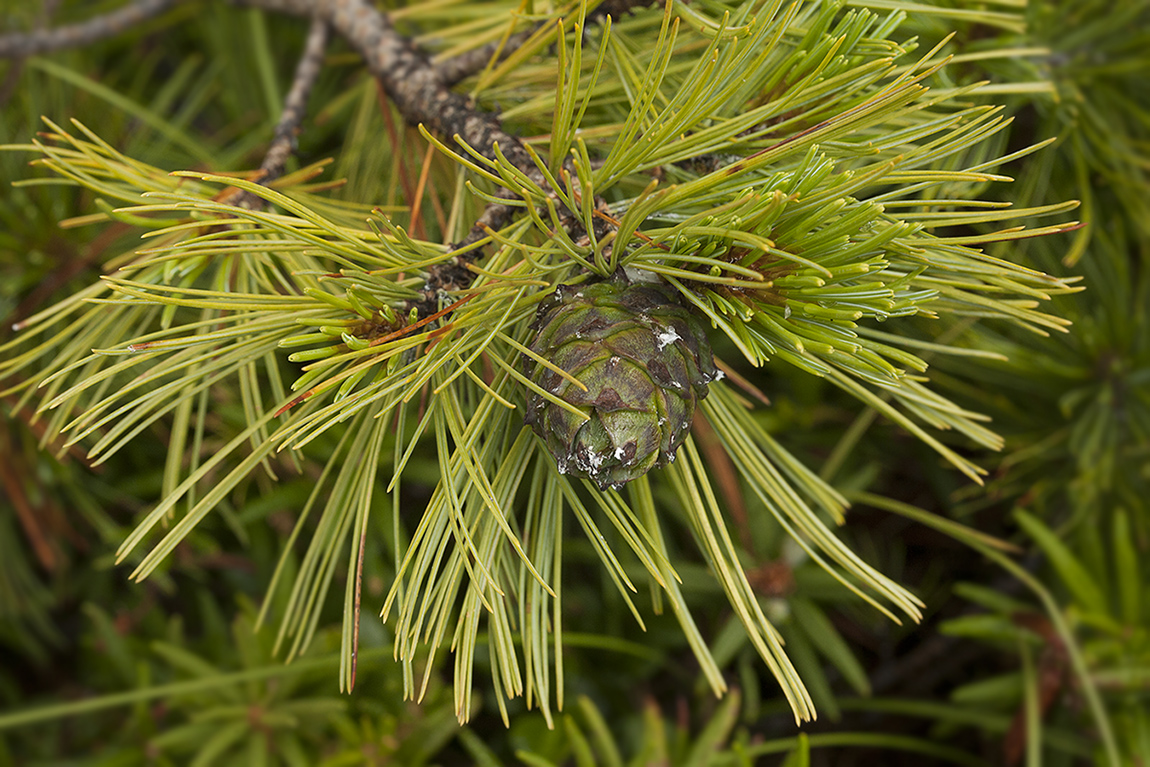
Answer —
(99, 672)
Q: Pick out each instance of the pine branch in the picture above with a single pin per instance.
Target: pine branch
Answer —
(405, 71)
(22, 44)
(414, 85)
(791, 251)
(419, 88)
(288, 126)
(409, 77)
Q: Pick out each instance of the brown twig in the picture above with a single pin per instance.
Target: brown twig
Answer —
(288, 127)
(22, 44)
(417, 227)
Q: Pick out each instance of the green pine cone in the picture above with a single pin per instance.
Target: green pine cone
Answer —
(645, 360)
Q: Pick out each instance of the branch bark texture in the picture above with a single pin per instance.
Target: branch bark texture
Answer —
(21, 44)
(420, 90)
(295, 105)
(408, 75)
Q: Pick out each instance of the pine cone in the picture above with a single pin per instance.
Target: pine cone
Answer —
(645, 360)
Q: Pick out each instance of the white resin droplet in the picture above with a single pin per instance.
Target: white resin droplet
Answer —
(666, 336)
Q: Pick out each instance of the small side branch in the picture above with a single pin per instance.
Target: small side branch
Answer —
(288, 127)
(21, 44)
(458, 68)
(408, 76)
(413, 84)
(419, 91)
(454, 70)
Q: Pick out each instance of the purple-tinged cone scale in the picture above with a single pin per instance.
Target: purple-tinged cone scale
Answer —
(645, 360)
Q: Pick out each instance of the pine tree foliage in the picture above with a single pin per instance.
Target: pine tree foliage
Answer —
(1094, 377)
(1072, 409)
(1078, 424)
(785, 169)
